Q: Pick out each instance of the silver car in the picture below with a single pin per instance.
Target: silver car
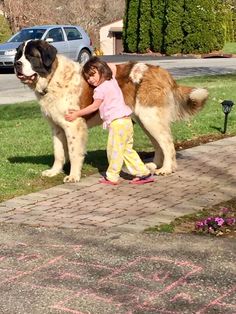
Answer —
(69, 40)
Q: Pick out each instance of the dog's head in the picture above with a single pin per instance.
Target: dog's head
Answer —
(34, 58)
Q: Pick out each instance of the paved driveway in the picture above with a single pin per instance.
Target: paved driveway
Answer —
(11, 90)
(90, 271)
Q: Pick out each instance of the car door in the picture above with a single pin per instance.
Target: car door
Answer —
(57, 38)
(75, 41)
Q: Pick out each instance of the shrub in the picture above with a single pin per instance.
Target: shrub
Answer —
(158, 25)
(5, 31)
(197, 25)
(144, 40)
(131, 25)
(174, 33)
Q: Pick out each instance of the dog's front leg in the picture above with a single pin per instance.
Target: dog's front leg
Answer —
(60, 151)
(76, 134)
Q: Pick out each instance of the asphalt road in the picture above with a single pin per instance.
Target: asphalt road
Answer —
(11, 90)
(52, 271)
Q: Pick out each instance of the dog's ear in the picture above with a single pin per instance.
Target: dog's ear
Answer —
(48, 52)
(19, 50)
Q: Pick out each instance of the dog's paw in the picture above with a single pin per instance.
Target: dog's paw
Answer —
(163, 171)
(71, 179)
(50, 173)
(151, 166)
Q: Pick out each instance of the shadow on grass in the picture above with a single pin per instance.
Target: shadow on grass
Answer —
(96, 159)
(43, 160)
(217, 128)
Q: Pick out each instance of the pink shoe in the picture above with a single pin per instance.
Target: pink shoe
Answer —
(106, 181)
(143, 179)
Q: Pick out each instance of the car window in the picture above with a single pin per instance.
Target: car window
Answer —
(26, 34)
(56, 34)
(72, 33)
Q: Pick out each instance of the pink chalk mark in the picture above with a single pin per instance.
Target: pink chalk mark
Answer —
(182, 296)
(159, 311)
(21, 244)
(196, 286)
(84, 293)
(224, 305)
(158, 277)
(179, 282)
(132, 287)
(33, 286)
(65, 309)
(216, 301)
(70, 275)
(119, 270)
(24, 257)
(74, 247)
(99, 266)
(53, 261)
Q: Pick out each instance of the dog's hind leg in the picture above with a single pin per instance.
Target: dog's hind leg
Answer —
(158, 154)
(60, 151)
(160, 135)
(76, 134)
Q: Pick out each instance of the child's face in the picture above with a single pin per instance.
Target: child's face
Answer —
(95, 78)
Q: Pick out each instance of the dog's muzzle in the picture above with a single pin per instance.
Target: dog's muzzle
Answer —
(25, 79)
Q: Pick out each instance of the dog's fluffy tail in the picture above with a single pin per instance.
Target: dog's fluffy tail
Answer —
(188, 101)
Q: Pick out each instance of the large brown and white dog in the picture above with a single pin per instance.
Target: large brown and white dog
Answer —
(149, 90)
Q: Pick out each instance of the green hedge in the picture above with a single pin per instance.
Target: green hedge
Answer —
(199, 27)
(5, 31)
(183, 26)
(144, 42)
(174, 35)
(158, 25)
(131, 20)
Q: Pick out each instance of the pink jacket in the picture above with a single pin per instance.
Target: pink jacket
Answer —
(113, 105)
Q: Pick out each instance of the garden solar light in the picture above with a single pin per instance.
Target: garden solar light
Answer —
(226, 107)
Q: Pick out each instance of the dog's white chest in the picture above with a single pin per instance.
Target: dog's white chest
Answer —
(53, 109)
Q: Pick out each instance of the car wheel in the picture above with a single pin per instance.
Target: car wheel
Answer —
(84, 56)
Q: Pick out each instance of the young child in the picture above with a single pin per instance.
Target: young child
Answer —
(116, 116)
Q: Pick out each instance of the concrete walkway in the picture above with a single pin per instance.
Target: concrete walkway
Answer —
(206, 175)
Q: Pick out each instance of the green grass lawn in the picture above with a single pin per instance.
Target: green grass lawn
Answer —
(26, 148)
(230, 47)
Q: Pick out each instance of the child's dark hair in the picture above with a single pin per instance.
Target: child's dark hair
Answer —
(96, 63)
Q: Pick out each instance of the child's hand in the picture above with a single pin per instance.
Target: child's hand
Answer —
(71, 115)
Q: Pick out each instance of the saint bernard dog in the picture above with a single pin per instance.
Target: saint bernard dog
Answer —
(150, 91)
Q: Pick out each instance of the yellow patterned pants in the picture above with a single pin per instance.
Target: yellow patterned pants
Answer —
(120, 150)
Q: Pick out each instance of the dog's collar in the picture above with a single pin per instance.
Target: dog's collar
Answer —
(45, 90)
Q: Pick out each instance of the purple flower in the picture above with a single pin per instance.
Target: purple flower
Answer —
(230, 221)
(220, 221)
(199, 224)
(224, 210)
(212, 224)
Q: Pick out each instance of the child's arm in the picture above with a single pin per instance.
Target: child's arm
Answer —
(73, 114)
